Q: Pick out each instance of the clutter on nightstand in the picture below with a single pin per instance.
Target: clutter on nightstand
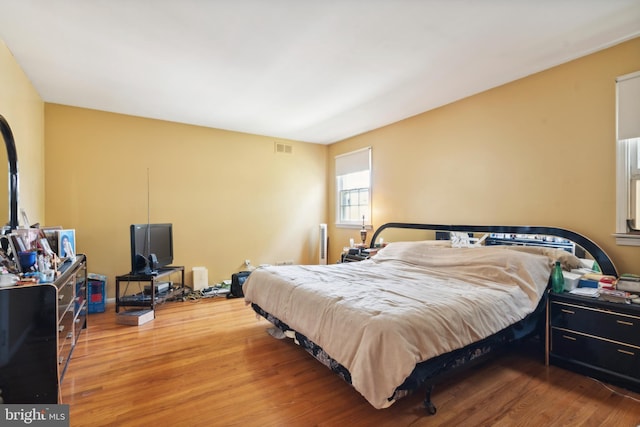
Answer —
(629, 282)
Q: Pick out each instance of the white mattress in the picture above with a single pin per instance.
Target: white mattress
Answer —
(409, 303)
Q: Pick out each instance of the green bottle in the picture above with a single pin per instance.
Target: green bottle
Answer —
(557, 279)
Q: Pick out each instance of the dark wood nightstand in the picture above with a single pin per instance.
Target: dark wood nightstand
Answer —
(358, 254)
(596, 338)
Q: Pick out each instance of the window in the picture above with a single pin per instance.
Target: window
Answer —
(628, 159)
(353, 187)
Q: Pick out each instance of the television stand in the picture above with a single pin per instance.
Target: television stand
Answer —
(142, 299)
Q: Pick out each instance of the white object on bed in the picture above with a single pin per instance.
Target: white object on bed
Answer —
(410, 302)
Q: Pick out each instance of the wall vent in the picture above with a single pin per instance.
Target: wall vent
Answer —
(282, 148)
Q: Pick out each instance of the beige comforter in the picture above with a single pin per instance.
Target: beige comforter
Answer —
(409, 303)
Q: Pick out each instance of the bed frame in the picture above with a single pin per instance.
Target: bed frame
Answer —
(428, 373)
(606, 265)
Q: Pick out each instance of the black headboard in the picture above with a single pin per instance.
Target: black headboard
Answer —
(603, 260)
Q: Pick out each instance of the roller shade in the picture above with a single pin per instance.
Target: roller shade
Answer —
(355, 161)
(628, 108)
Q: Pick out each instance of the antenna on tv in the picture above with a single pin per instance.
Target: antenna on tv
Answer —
(152, 260)
(148, 233)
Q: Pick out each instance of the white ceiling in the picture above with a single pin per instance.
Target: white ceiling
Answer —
(316, 71)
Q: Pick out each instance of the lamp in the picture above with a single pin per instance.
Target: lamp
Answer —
(363, 233)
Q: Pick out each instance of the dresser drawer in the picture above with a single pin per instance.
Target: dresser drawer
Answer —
(81, 294)
(65, 327)
(64, 352)
(66, 294)
(597, 322)
(80, 321)
(601, 353)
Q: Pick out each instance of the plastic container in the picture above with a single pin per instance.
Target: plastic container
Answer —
(27, 259)
(96, 292)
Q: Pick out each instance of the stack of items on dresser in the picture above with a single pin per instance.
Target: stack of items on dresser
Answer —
(589, 281)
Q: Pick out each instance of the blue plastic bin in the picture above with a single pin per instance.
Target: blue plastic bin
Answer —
(96, 292)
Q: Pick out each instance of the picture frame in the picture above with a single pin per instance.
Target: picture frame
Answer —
(19, 244)
(29, 237)
(14, 250)
(46, 248)
(51, 234)
(67, 243)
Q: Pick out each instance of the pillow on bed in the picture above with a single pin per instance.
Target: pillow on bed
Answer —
(460, 240)
(567, 260)
(417, 249)
(400, 250)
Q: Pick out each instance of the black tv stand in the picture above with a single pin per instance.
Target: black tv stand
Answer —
(140, 299)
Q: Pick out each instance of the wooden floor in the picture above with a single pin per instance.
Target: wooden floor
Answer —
(212, 363)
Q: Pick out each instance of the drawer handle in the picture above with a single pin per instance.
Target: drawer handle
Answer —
(61, 297)
(564, 310)
(60, 328)
(569, 338)
(622, 322)
(70, 335)
(630, 353)
(60, 360)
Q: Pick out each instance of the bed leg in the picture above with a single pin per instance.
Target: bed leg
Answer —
(428, 404)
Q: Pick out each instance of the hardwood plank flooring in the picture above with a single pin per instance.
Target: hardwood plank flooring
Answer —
(212, 363)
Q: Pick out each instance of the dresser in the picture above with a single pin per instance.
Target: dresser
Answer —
(39, 328)
(596, 338)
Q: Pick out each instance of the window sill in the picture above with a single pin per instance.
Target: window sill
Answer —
(354, 226)
(627, 239)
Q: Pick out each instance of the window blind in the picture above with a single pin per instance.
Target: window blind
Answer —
(355, 161)
(628, 108)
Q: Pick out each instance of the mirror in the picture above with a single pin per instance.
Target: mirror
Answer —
(12, 159)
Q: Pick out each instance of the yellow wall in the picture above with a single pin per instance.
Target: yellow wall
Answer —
(538, 151)
(229, 196)
(23, 109)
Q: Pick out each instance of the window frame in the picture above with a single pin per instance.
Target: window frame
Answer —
(627, 167)
(352, 162)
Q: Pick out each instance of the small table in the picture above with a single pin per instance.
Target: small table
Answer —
(596, 338)
(151, 299)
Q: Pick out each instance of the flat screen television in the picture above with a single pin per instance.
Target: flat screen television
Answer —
(151, 247)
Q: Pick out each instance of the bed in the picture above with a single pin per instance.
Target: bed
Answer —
(420, 310)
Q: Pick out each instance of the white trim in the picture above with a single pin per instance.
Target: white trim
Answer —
(353, 226)
(625, 239)
(622, 187)
(348, 167)
(626, 128)
(628, 76)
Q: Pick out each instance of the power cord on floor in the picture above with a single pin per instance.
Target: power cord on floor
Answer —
(619, 393)
(209, 292)
(192, 297)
